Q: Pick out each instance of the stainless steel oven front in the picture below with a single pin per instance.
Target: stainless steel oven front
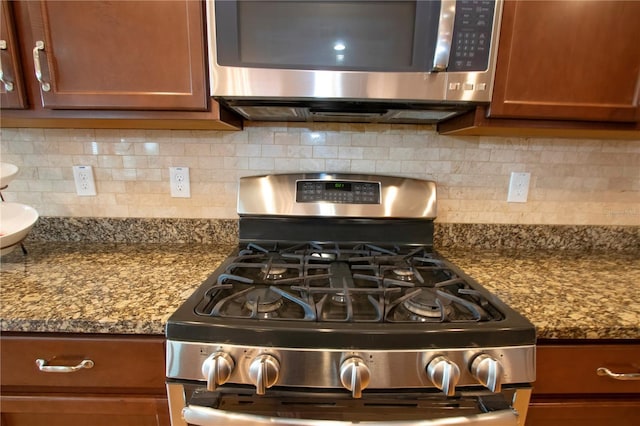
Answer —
(193, 405)
(335, 309)
(324, 402)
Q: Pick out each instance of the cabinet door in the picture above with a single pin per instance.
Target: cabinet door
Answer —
(571, 60)
(46, 410)
(145, 55)
(11, 89)
(122, 385)
(568, 390)
(583, 412)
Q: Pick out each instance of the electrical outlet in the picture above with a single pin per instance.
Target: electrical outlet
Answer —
(83, 177)
(179, 182)
(518, 187)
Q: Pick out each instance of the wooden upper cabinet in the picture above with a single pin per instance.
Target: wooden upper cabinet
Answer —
(120, 55)
(568, 60)
(12, 93)
(108, 64)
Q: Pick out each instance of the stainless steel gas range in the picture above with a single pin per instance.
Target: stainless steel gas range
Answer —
(335, 309)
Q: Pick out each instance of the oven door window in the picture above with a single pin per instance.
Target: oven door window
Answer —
(226, 406)
(389, 36)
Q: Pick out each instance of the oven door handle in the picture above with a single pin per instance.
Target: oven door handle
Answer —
(205, 416)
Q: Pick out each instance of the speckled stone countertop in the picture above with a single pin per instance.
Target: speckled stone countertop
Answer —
(100, 288)
(133, 288)
(565, 294)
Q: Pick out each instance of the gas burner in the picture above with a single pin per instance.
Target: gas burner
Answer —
(322, 256)
(339, 298)
(273, 272)
(427, 305)
(403, 274)
(263, 301)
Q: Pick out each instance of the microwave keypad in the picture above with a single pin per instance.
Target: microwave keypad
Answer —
(471, 35)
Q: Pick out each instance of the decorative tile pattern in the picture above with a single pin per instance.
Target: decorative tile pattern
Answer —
(573, 181)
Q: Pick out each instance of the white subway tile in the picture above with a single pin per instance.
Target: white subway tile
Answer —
(573, 181)
(325, 152)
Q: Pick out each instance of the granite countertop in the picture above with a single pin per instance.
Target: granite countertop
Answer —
(100, 288)
(133, 288)
(565, 294)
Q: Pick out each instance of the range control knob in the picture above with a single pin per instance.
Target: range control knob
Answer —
(264, 371)
(354, 375)
(217, 368)
(444, 374)
(488, 371)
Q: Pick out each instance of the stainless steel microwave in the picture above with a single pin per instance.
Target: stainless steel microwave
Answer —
(352, 60)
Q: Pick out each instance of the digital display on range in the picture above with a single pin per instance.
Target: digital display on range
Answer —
(338, 192)
(338, 186)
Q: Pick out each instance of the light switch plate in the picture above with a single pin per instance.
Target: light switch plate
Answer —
(518, 187)
(85, 184)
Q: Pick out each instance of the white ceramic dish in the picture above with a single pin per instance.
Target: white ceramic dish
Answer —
(16, 220)
(7, 173)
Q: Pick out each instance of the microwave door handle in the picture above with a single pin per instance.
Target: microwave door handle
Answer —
(205, 416)
(445, 35)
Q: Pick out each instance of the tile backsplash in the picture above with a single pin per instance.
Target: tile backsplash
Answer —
(579, 182)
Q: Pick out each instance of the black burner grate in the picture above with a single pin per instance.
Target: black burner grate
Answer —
(338, 283)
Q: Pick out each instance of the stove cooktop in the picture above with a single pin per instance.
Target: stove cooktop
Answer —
(344, 283)
(345, 295)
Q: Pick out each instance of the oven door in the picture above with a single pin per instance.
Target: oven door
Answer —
(193, 405)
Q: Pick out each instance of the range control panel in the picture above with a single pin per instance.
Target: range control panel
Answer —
(335, 191)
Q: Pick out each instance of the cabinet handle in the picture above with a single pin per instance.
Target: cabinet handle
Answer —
(602, 371)
(42, 366)
(8, 86)
(36, 64)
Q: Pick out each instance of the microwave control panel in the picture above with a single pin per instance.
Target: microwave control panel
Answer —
(471, 35)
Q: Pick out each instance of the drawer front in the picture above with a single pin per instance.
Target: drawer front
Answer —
(118, 362)
(569, 412)
(562, 369)
(75, 410)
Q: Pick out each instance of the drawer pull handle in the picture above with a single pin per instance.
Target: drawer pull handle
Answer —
(36, 64)
(602, 371)
(8, 86)
(42, 366)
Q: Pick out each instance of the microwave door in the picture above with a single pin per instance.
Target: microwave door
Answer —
(395, 36)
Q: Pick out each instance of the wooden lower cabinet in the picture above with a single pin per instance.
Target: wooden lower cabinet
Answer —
(596, 412)
(96, 410)
(125, 385)
(569, 392)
